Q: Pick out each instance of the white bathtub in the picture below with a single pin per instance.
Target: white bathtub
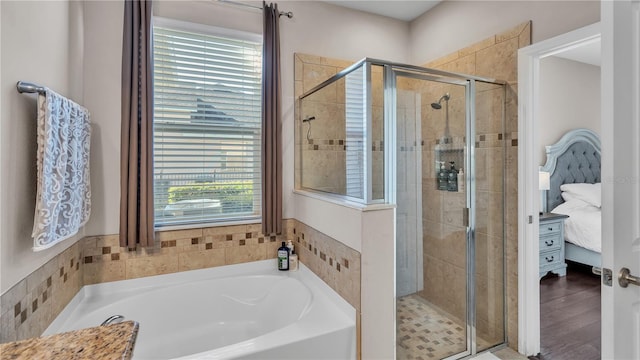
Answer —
(245, 311)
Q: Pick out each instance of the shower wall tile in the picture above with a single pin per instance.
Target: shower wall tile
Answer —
(489, 309)
(471, 50)
(499, 61)
(313, 75)
(489, 111)
(320, 160)
(450, 280)
(489, 257)
(437, 63)
(464, 65)
(515, 32)
(377, 86)
(455, 245)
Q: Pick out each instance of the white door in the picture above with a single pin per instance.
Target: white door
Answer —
(620, 21)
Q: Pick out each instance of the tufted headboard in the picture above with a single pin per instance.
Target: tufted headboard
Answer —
(573, 159)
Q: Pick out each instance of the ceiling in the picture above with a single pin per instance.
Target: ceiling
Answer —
(401, 10)
(588, 53)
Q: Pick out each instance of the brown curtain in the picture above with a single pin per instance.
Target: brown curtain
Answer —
(136, 158)
(271, 123)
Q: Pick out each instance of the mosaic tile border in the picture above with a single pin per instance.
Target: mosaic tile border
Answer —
(482, 141)
(178, 250)
(335, 263)
(340, 145)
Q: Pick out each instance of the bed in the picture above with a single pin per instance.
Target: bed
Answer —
(575, 159)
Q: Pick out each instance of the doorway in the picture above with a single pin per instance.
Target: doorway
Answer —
(530, 62)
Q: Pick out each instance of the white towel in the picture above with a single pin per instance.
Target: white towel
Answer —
(63, 199)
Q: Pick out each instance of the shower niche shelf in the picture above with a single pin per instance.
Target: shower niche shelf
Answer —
(446, 152)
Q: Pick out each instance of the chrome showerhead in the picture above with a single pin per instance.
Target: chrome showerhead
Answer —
(438, 105)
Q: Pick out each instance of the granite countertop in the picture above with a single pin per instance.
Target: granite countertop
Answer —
(113, 341)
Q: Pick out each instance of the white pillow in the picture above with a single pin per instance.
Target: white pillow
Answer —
(589, 193)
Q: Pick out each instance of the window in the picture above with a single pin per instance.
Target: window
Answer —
(207, 124)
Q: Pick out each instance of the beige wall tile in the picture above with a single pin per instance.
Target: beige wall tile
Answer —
(309, 59)
(340, 64)
(108, 240)
(490, 41)
(104, 271)
(443, 60)
(178, 234)
(463, 65)
(499, 61)
(201, 259)
(514, 32)
(453, 245)
(524, 39)
(314, 74)
(152, 265)
(13, 296)
(242, 254)
(8, 328)
(297, 68)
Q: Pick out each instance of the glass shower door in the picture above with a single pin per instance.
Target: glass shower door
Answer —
(431, 231)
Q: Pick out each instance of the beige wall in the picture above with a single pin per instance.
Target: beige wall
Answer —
(569, 99)
(41, 43)
(446, 28)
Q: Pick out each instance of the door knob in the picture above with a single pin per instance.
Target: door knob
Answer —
(625, 278)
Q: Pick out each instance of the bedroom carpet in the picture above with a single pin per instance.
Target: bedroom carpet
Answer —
(426, 333)
(570, 315)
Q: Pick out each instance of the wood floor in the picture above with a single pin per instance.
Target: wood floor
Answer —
(570, 315)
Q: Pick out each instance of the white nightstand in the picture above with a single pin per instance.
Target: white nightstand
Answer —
(552, 244)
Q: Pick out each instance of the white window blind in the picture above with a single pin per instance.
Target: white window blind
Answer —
(355, 129)
(207, 124)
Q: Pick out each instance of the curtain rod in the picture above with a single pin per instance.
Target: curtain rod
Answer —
(288, 14)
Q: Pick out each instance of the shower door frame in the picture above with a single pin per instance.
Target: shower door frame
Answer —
(392, 71)
(469, 86)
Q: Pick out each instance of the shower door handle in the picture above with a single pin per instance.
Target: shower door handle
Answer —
(465, 216)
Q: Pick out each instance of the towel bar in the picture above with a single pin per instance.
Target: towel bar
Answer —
(26, 87)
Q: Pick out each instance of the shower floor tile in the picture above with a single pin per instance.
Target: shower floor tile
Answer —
(424, 333)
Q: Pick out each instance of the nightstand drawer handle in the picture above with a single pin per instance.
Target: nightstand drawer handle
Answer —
(547, 258)
(550, 228)
(548, 243)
